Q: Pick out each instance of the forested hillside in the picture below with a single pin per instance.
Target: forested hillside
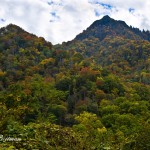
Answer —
(91, 93)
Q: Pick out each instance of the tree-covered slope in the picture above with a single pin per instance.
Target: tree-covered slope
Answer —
(92, 93)
(122, 49)
(20, 53)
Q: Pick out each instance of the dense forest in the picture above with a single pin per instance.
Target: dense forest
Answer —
(91, 93)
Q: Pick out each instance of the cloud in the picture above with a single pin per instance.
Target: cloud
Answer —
(131, 10)
(2, 20)
(62, 20)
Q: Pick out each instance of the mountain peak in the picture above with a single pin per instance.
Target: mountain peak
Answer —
(106, 18)
(12, 28)
(104, 21)
(108, 26)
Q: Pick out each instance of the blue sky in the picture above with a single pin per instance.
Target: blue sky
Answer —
(61, 20)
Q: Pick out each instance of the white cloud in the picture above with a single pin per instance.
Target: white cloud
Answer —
(62, 20)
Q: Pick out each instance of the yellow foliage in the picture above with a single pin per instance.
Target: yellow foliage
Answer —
(48, 61)
(102, 130)
(2, 74)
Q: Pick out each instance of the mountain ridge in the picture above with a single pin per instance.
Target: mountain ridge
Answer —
(104, 21)
(115, 25)
(108, 41)
(112, 43)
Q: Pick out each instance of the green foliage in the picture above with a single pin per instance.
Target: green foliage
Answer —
(92, 93)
